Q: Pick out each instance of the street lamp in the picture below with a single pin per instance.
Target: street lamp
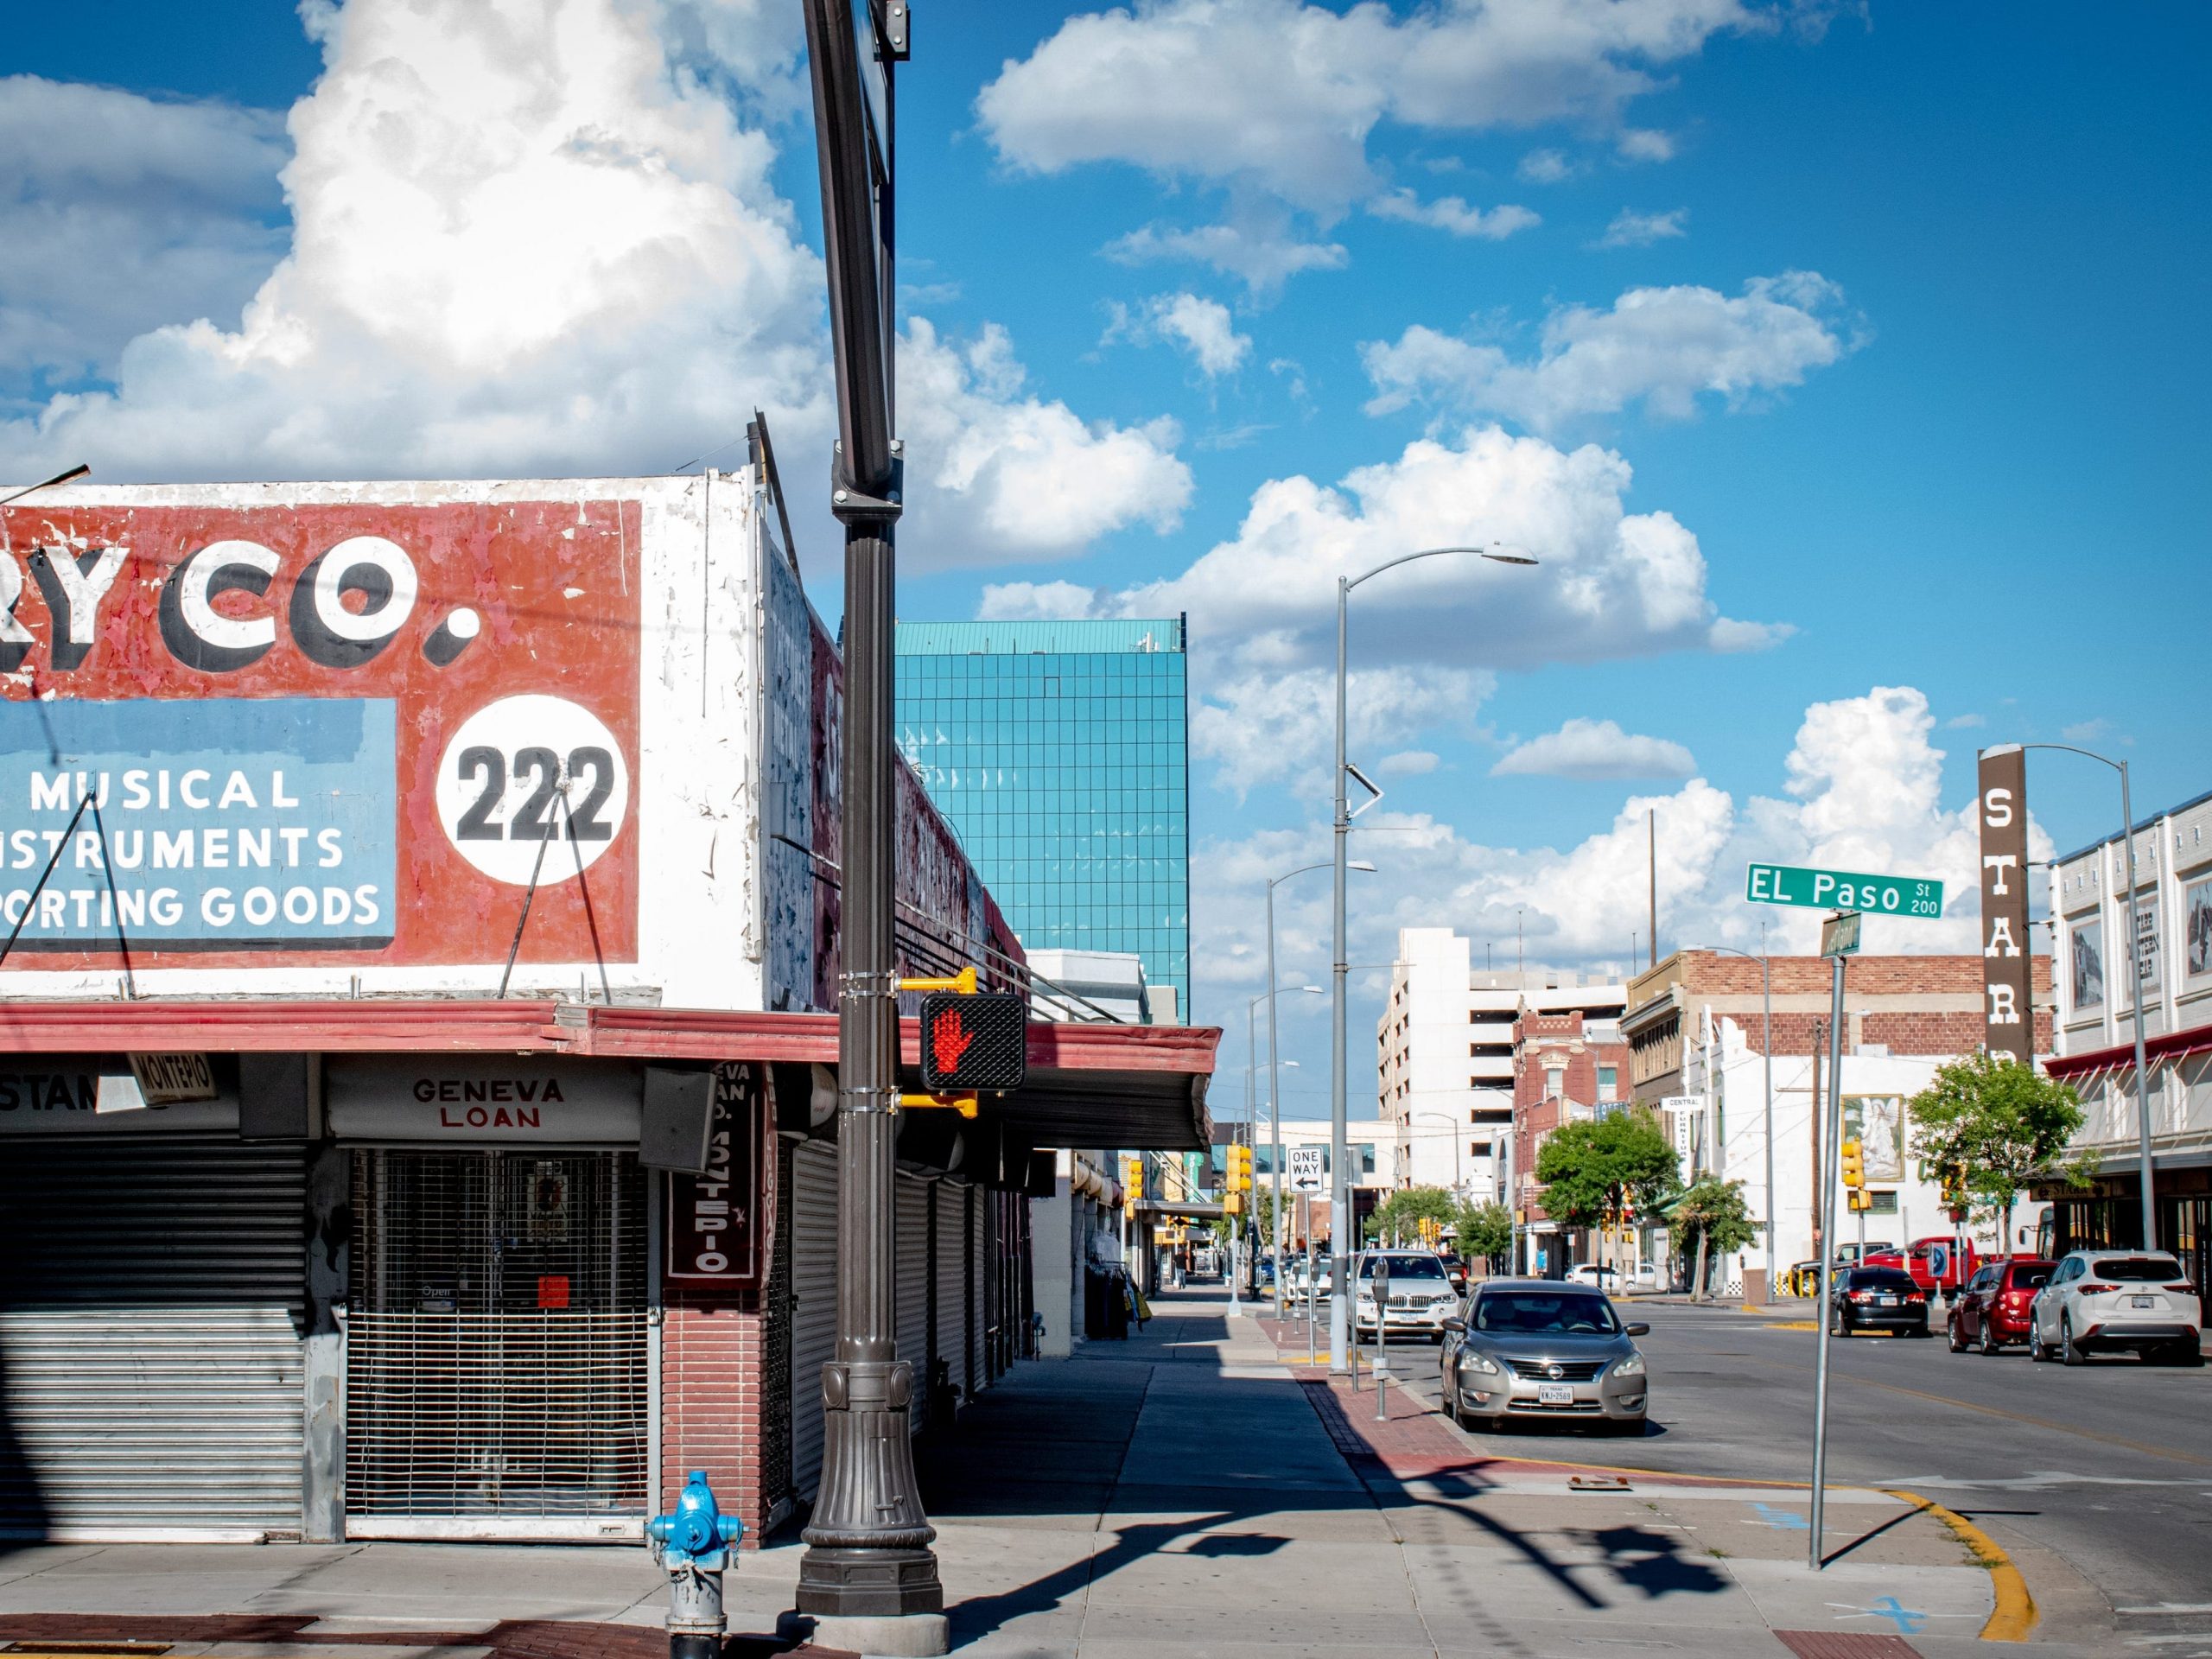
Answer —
(1766, 1007)
(2134, 973)
(1252, 1118)
(1339, 1040)
(1275, 1094)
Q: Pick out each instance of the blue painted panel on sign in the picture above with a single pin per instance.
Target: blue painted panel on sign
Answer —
(218, 824)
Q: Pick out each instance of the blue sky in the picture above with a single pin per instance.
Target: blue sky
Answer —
(1828, 348)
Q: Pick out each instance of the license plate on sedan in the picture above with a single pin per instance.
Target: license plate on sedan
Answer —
(1885, 1301)
(1555, 1394)
(2142, 1301)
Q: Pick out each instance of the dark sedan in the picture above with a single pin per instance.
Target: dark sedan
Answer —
(1878, 1299)
(1992, 1310)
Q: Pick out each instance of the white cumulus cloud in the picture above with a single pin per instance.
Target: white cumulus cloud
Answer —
(1283, 95)
(122, 211)
(1595, 749)
(1663, 347)
(1263, 258)
(1451, 214)
(1861, 790)
(1279, 99)
(1611, 583)
(531, 239)
(1631, 229)
(1202, 328)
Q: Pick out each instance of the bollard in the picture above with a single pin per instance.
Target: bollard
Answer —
(1381, 1386)
(692, 1544)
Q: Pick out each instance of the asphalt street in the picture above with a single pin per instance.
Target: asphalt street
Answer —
(2109, 1466)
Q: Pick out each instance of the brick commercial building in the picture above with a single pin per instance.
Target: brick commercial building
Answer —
(417, 1075)
(1696, 1054)
(2172, 924)
(1567, 1069)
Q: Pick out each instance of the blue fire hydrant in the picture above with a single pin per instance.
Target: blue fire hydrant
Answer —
(693, 1544)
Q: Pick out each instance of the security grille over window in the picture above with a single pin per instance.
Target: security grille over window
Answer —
(496, 1355)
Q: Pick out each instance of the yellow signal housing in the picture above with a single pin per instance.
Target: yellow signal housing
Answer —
(1854, 1165)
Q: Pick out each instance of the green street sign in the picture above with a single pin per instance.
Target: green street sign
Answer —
(1879, 895)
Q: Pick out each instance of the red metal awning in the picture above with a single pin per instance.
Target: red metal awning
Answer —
(2121, 1057)
(1140, 1087)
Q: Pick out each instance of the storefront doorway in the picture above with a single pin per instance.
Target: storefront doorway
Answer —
(498, 1371)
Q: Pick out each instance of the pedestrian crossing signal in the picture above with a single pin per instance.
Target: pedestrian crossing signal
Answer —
(1854, 1167)
(974, 1042)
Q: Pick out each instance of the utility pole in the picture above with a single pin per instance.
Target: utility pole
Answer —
(1819, 1031)
(1651, 847)
(868, 1579)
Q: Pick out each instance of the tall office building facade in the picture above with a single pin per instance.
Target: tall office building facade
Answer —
(1058, 750)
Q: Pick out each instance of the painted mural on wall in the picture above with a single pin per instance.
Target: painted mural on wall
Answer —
(939, 892)
(352, 732)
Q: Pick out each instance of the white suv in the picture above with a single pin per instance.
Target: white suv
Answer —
(2100, 1300)
(1420, 1294)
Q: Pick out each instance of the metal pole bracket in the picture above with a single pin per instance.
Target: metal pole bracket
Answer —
(851, 504)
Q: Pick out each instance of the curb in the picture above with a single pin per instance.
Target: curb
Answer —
(2015, 1613)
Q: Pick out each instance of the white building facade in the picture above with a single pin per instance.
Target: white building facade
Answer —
(1444, 1059)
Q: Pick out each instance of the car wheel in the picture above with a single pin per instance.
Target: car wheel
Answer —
(1957, 1340)
(2067, 1353)
(2185, 1351)
(1989, 1343)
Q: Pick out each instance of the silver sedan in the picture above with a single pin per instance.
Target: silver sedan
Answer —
(1539, 1349)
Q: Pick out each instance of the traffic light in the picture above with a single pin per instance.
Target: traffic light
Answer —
(1132, 1181)
(1854, 1167)
(1860, 1199)
(1240, 1169)
(1232, 1204)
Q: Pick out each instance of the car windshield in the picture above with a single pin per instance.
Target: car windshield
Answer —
(2137, 1269)
(2033, 1278)
(1537, 1313)
(1405, 1267)
(1880, 1279)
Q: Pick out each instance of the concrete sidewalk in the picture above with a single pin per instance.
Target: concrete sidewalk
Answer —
(1185, 1494)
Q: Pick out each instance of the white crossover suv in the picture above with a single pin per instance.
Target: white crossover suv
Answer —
(2099, 1301)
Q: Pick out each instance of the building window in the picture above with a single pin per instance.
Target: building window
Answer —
(1609, 1083)
(2088, 967)
(1554, 1082)
(2196, 927)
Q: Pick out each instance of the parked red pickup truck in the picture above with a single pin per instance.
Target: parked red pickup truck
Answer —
(1956, 1258)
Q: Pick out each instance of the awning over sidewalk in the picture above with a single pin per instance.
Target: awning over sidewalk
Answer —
(2094, 1063)
(1134, 1087)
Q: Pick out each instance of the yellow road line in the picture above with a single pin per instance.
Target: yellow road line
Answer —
(2014, 1615)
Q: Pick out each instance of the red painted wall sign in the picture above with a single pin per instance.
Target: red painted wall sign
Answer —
(448, 691)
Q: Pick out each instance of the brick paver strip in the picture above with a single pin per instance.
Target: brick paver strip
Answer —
(511, 1638)
(1845, 1644)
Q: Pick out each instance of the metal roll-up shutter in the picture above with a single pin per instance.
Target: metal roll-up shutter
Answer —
(813, 1303)
(910, 1273)
(952, 1281)
(979, 1289)
(151, 1297)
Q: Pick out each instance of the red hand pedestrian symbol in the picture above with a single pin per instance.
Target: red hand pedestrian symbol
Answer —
(949, 1041)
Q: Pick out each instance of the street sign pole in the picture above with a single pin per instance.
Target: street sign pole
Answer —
(1842, 934)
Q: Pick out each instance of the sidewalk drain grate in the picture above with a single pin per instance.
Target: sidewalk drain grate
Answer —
(1598, 1484)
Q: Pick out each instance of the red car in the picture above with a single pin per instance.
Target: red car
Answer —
(1992, 1310)
(1957, 1257)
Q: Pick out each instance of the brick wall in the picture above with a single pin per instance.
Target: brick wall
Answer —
(713, 1389)
(726, 1379)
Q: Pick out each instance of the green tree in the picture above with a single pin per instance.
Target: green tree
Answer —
(2001, 1124)
(1592, 1172)
(1485, 1230)
(1398, 1214)
(1710, 1217)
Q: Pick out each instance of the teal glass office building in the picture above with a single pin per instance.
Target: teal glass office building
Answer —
(1059, 751)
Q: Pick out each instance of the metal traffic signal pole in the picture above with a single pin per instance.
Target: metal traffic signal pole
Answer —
(868, 1555)
(1831, 1131)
